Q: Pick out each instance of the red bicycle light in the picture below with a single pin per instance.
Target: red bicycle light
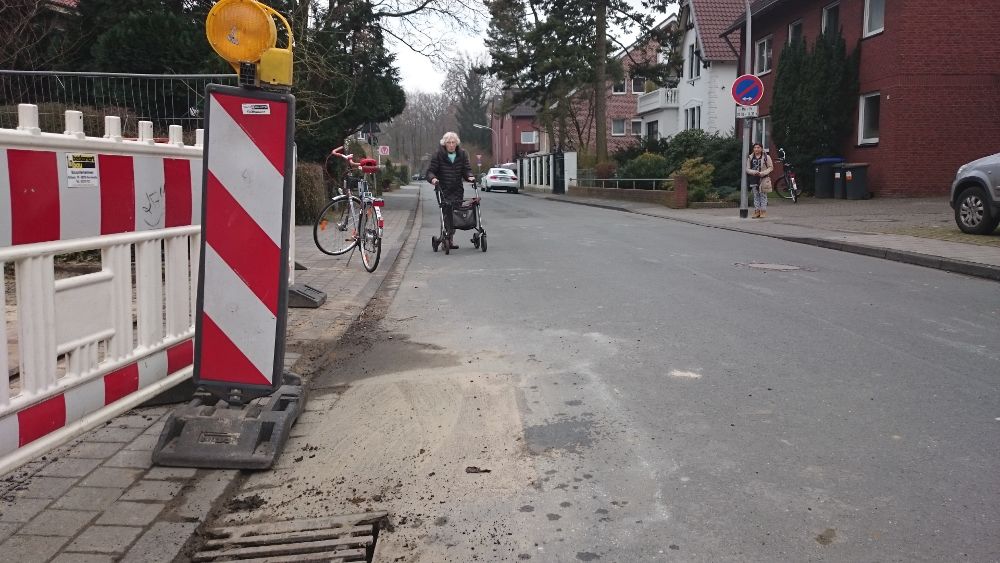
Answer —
(378, 203)
(381, 223)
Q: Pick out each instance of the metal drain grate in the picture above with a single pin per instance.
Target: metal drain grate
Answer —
(335, 539)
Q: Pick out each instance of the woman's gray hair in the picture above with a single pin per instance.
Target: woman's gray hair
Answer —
(450, 136)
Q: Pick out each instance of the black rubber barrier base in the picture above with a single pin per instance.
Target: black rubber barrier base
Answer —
(209, 433)
(304, 296)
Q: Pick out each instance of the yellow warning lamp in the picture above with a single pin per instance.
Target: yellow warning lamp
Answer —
(243, 32)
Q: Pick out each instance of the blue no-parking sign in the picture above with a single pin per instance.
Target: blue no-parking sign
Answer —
(747, 90)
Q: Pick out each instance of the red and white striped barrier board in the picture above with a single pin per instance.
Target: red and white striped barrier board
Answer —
(61, 195)
(243, 287)
(36, 421)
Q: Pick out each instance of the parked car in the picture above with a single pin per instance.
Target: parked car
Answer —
(975, 195)
(418, 177)
(500, 179)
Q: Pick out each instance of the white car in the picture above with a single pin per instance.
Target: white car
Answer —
(500, 179)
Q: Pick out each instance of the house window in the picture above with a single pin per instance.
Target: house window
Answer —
(762, 131)
(618, 87)
(762, 56)
(617, 127)
(692, 118)
(694, 69)
(638, 85)
(653, 130)
(636, 127)
(795, 32)
(868, 118)
(874, 16)
(527, 137)
(831, 18)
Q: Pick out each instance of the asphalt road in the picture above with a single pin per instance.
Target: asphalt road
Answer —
(677, 402)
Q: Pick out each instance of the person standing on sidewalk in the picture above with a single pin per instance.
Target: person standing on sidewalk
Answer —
(449, 166)
(759, 167)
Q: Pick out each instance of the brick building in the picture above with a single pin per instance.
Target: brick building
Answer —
(516, 133)
(929, 75)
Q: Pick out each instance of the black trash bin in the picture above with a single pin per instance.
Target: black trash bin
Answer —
(856, 180)
(824, 176)
(839, 189)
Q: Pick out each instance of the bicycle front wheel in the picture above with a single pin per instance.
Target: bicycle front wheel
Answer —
(336, 228)
(781, 188)
(371, 239)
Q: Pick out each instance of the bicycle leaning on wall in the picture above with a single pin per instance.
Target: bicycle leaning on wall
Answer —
(352, 221)
(786, 186)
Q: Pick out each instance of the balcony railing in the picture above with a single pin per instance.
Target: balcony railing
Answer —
(662, 98)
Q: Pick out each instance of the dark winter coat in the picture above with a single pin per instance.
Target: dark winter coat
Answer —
(450, 175)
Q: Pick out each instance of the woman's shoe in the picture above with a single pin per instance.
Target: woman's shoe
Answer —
(756, 213)
(451, 244)
(763, 214)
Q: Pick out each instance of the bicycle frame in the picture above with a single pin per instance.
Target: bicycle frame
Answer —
(788, 174)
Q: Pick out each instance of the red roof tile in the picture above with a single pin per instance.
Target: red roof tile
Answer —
(711, 18)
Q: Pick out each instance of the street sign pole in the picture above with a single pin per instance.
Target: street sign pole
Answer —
(744, 213)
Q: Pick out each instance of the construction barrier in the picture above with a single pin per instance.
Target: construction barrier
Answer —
(95, 345)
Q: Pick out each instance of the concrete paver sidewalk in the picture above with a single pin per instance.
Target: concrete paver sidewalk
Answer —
(862, 227)
(99, 498)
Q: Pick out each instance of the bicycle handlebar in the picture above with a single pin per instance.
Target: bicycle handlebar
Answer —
(347, 157)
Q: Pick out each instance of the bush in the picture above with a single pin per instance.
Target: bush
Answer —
(699, 177)
(310, 192)
(639, 147)
(403, 175)
(684, 145)
(605, 170)
(645, 166)
(725, 153)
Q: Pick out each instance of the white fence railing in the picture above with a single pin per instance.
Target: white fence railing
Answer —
(93, 345)
(661, 98)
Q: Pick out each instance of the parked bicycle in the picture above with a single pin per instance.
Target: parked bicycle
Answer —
(786, 186)
(352, 221)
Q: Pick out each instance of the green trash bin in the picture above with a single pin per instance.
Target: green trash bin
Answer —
(824, 176)
(856, 180)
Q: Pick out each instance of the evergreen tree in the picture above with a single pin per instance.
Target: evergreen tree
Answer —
(472, 110)
(543, 49)
(815, 94)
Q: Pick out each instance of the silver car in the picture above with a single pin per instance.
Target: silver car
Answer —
(975, 195)
(500, 179)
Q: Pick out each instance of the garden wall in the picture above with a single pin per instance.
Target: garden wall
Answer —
(675, 198)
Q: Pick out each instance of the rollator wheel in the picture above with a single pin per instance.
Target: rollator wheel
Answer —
(447, 247)
(475, 240)
(434, 243)
(482, 241)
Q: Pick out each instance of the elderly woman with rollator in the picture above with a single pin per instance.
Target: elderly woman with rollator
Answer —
(448, 168)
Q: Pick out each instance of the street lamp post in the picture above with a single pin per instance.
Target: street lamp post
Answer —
(495, 146)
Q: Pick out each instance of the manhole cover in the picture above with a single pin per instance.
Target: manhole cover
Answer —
(335, 539)
(778, 267)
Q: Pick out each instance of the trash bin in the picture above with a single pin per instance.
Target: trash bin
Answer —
(856, 180)
(839, 189)
(824, 176)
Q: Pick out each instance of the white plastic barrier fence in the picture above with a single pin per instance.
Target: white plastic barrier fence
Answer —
(93, 346)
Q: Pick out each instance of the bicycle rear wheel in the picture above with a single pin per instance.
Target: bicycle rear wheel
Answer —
(336, 228)
(781, 188)
(371, 240)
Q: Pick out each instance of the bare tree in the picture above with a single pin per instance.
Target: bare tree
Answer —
(416, 133)
(24, 25)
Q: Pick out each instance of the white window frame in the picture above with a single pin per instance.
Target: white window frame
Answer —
(621, 132)
(534, 138)
(762, 132)
(826, 10)
(866, 32)
(657, 124)
(768, 53)
(862, 140)
(694, 67)
(788, 40)
(618, 87)
(642, 85)
(692, 118)
(635, 132)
